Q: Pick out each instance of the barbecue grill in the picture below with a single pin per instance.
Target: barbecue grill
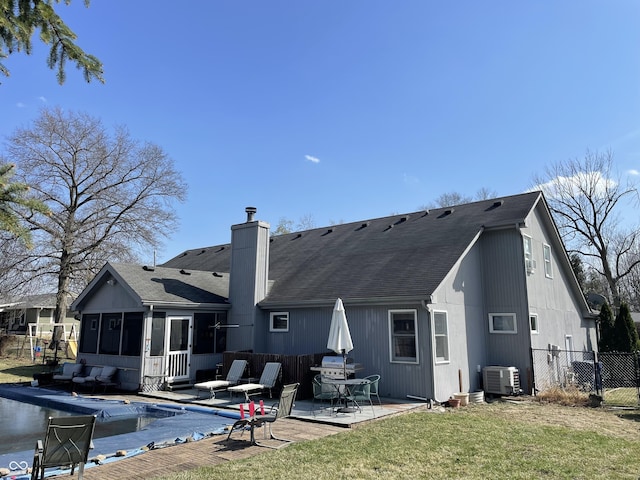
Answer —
(334, 366)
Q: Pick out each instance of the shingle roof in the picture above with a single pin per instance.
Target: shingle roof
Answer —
(169, 285)
(397, 256)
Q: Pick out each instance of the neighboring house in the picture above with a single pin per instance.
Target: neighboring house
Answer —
(16, 315)
(431, 298)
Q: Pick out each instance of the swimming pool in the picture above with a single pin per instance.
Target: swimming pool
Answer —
(176, 424)
(24, 423)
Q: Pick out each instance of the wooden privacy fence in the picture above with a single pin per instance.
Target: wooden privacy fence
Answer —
(295, 368)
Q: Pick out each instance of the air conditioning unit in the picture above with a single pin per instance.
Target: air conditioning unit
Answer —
(531, 266)
(501, 380)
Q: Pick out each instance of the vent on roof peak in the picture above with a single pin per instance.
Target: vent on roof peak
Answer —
(329, 230)
(220, 249)
(216, 274)
(447, 212)
(389, 227)
(184, 272)
(426, 212)
(204, 250)
(362, 225)
(496, 204)
(402, 219)
(148, 268)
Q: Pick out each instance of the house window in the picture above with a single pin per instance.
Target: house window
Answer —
(529, 264)
(502, 323)
(207, 338)
(546, 250)
(403, 332)
(89, 333)
(441, 336)
(279, 322)
(533, 323)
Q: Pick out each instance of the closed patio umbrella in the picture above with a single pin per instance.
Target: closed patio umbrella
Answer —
(339, 335)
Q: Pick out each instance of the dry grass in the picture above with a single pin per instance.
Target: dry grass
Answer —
(570, 396)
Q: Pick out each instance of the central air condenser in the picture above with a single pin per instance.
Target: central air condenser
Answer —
(501, 380)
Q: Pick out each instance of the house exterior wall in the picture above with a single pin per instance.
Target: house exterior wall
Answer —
(505, 292)
(110, 298)
(551, 300)
(369, 327)
(461, 297)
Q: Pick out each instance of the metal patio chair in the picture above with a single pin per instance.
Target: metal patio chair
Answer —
(67, 442)
(282, 409)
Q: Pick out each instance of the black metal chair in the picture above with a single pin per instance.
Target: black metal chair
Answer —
(67, 442)
(282, 409)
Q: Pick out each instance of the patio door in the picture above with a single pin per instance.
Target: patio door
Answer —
(179, 353)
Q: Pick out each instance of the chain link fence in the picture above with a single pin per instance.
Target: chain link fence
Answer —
(615, 377)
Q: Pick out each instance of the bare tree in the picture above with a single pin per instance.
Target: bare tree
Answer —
(108, 196)
(586, 197)
(449, 199)
(286, 225)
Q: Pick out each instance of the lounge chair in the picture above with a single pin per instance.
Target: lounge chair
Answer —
(69, 372)
(233, 377)
(268, 380)
(66, 443)
(281, 409)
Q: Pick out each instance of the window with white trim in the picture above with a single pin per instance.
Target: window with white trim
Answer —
(502, 323)
(533, 323)
(546, 254)
(441, 336)
(529, 263)
(403, 336)
(279, 322)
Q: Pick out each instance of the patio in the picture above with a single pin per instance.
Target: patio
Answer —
(302, 409)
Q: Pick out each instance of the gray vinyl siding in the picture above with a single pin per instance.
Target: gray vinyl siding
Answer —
(369, 327)
(558, 310)
(505, 292)
(461, 296)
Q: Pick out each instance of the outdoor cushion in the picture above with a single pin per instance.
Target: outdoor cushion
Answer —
(95, 372)
(107, 374)
(69, 370)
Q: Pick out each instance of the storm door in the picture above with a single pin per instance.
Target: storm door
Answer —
(179, 354)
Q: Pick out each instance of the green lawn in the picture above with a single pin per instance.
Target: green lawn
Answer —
(500, 440)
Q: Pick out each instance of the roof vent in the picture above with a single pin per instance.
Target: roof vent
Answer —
(204, 250)
(216, 274)
(329, 230)
(402, 219)
(447, 212)
(299, 235)
(148, 268)
(220, 249)
(251, 211)
(426, 212)
(389, 227)
(496, 204)
(184, 272)
(363, 225)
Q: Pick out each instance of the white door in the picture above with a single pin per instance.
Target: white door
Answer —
(178, 355)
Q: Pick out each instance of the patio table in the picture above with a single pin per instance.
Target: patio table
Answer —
(343, 387)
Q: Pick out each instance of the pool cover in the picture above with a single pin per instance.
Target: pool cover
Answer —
(190, 423)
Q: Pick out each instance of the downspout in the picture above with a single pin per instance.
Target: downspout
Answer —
(426, 305)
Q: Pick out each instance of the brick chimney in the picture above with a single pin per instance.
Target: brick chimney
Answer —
(249, 274)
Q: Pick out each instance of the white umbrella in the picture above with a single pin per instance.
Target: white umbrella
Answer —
(339, 335)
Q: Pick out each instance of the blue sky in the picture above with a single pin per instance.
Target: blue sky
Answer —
(347, 110)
